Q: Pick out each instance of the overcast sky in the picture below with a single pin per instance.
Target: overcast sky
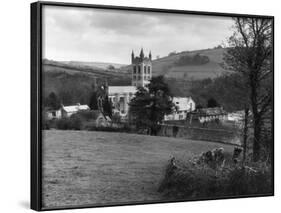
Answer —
(86, 34)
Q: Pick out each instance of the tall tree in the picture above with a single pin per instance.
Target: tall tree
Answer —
(93, 104)
(107, 106)
(212, 103)
(250, 53)
(150, 104)
(52, 101)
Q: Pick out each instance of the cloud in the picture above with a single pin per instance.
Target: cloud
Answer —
(109, 35)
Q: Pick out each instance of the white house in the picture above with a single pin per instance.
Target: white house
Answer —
(52, 114)
(64, 111)
(183, 105)
(237, 116)
(205, 115)
(67, 111)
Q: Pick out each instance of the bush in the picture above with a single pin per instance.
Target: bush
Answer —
(185, 180)
(86, 115)
(109, 128)
(48, 124)
(244, 180)
(71, 123)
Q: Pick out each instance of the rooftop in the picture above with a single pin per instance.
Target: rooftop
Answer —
(75, 108)
(121, 89)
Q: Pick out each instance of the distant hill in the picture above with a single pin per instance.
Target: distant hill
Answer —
(76, 67)
(170, 67)
(73, 83)
(95, 65)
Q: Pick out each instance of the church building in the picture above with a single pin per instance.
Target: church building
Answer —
(141, 74)
(141, 69)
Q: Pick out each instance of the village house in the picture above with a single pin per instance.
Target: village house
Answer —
(183, 106)
(67, 111)
(64, 111)
(141, 74)
(51, 114)
(205, 115)
(237, 116)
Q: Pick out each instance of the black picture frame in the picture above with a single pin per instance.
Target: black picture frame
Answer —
(36, 98)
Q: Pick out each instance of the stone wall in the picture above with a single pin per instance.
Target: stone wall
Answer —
(205, 134)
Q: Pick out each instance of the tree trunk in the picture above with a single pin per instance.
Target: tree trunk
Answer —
(256, 115)
(257, 135)
(245, 134)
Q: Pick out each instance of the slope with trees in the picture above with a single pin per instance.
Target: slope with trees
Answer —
(250, 54)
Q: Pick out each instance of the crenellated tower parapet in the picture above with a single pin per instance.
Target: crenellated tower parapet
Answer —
(141, 69)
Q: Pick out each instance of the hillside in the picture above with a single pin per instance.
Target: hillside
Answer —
(73, 84)
(167, 65)
(94, 65)
(83, 67)
(170, 68)
(72, 81)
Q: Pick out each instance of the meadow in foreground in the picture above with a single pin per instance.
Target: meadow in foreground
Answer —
(88, 167)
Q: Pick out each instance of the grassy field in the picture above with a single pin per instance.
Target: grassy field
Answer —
(81, 167)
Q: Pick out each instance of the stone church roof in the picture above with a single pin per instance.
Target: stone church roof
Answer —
(121, 90)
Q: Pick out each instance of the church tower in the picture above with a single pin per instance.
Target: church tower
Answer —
(141, 69)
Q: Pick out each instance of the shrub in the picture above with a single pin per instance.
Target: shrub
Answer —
(185, 180)
(48, 124)
(86, 115)
(116, 118)
(189, 181)
(109, 128)
(71, 123)
(45, 124)
(245, 180)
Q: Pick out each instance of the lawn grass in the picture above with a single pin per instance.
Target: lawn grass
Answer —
(81, 167)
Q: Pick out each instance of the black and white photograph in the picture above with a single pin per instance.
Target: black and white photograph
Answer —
(151, 106)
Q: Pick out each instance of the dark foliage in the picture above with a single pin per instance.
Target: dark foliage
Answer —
(187, 180)
(192, 60)
(71, 123)
(86, 115)
(149, 106)
(228, 90)
(107, 107)
(111, 67)
(93, 101)
(52, 101)
(212, 103)
(124, 128)
(72, 88)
